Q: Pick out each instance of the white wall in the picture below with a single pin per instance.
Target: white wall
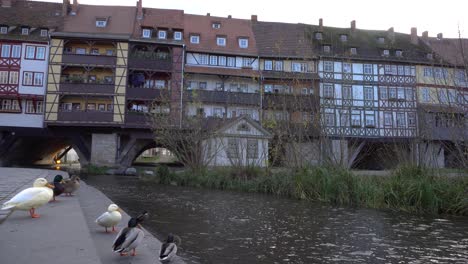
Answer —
(21, 119)
(33, 66)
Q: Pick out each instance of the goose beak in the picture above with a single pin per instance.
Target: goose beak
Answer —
(120, 210)
(50, 185)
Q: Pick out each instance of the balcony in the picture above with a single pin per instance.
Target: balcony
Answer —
(89, 59)
(137, 119)
(222, 97)
(87, 88)
(290, 102)
(85, 116)
(150, 60)
(147, 93)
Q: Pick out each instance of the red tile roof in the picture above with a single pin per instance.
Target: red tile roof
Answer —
(450, 50)
(32, 14)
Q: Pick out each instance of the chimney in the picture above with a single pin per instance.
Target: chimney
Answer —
(6, 3)
(425, 34)
(140, 9)
(208, 14)
(391, 34)
(65, 6)
(414, 36)
(229, 16)
(321, 24)
(353, 25)
(254, 18)
(74, 9)
(440, 36)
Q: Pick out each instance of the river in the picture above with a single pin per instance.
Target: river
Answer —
(230, 227)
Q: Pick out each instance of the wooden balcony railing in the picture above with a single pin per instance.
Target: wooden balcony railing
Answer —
(222, 97)
(85, 116)
(92, 88)
(89, 59)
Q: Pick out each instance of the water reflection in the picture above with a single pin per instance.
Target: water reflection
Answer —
(227, 227)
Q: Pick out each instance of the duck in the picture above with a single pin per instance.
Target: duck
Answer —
(110, 218)
(130, 237)
(31, 198)
(59, 188)
(168, 249)
(71, 185)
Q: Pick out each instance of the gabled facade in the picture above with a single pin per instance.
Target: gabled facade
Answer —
(24, 53)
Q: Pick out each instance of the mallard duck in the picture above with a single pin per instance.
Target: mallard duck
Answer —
(130, 237)
(71, 185)
(168, 249)
(31, 198)
(58, 186)
(110, 218)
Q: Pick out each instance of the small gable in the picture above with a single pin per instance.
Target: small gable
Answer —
(244, 127)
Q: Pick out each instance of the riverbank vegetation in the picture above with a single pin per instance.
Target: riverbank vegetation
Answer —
(410, 189)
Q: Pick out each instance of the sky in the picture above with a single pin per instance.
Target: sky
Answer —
(445, 16)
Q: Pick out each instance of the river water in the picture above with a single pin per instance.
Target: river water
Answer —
(230, 227)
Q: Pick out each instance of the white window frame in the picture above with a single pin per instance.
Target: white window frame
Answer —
(426, 95)
(216, 25)
(3, 30)
(195, 39)
(401, 119)
(44, 32)
(388, 119)
(353, 50)
(204, 59)
(399, 53)
(222, 60)
(318, 35)
(231, 62)
(243, 43)
(14, 77)
(38, 79)
(368, 93)
(40, 53)
(326, 48)
(328, 90)
(369, 120)
(366, 68)
(16, 51)
(428, 72)
(178, 35)
(101, 23)
(347, 92)
(386, 52)
(25, 31)
(6, 51)
(299, 67)
(344, 37)
(28, 78)
(162, 34)
(328, 66)
(247, 62)
(146, 33)
(347, 67)
(221, 41)
(213, 60)
(268, 65)
(278, 65)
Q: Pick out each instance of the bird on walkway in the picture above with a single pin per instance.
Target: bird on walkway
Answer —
(168, 249)
(110, 218)
(31, 198)
(130, 237)
(71, 185)
(59, 187)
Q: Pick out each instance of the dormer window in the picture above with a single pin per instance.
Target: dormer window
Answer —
(44, 32)
(344, 37)
(195, 39)
(221, 41)
(399, 53)
(3, 30)
(25, 31)
(326, 48)
(101, 22)
(386, 52)
(177, 35)
(353, 51)
(243, 43)
(318, 35)
(381, 40)
(146, 33)
(216, 25)
(162, 34)
(429, 56)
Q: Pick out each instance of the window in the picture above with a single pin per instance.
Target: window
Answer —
(233, 87)
(368, 69)
(326, 48)
(94, 51)
(356, 119)
(16, 51)
(146, 33)
(347, 67)
(160, 84)
(25, 31)
(428, 72)
(216, 25)
(383, 93)
(231, 62)
(392, 93)
(204, 59)
(328, 66)
(353, 51)
(460, 76)
(14, 77)
(329, 119)
(28, 78)
(344, 118)
(222, 60)
(243, 43)
(268, 65)
(408, 71)
(162, 34)
(40, 53)
(370, 120)
(178, 35)
(401, 122)
(101, 107)
(6, 51)
(299, 67)
(442, 96)
(252, 148)
(305, 91)
(426, 98)
(429, 56)
(347, 92)
(232, 149)
(409, 94)
(101, 23)
(202, 85)
(67, 50)
(388, 118)
(195, 39)
(221, 41)
(386, 52)
(217, 112)
(278, 65)
(3, 30)
(110, 52)
(401, 93)
(80, 51)
(246, 62)
(368, 93)
(318, 35)
(344, 37)
(399, 53)
(44, 32)
(213, 60)
(34, 107)
(9, 105)
(381, 40)
(91, 106)
(219, 87)
(412, 119)
(268, 88)
(328, 91)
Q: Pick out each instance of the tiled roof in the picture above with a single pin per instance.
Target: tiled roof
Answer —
(222, 71)
(282, 40)
(230, 28)
(120, 20)
(450, 50)
(155, 18)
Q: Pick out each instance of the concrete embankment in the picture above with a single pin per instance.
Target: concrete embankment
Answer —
(66, 231)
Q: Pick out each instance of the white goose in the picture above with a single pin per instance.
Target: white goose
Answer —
(31, 198)
(110, 218)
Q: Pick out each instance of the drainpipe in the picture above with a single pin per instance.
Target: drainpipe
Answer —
(182, 86)
(260, 90)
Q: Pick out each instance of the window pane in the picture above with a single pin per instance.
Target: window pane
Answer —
(30, 50)
(6, 51)
(16, 51)
(38, 77)
(40, 53)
